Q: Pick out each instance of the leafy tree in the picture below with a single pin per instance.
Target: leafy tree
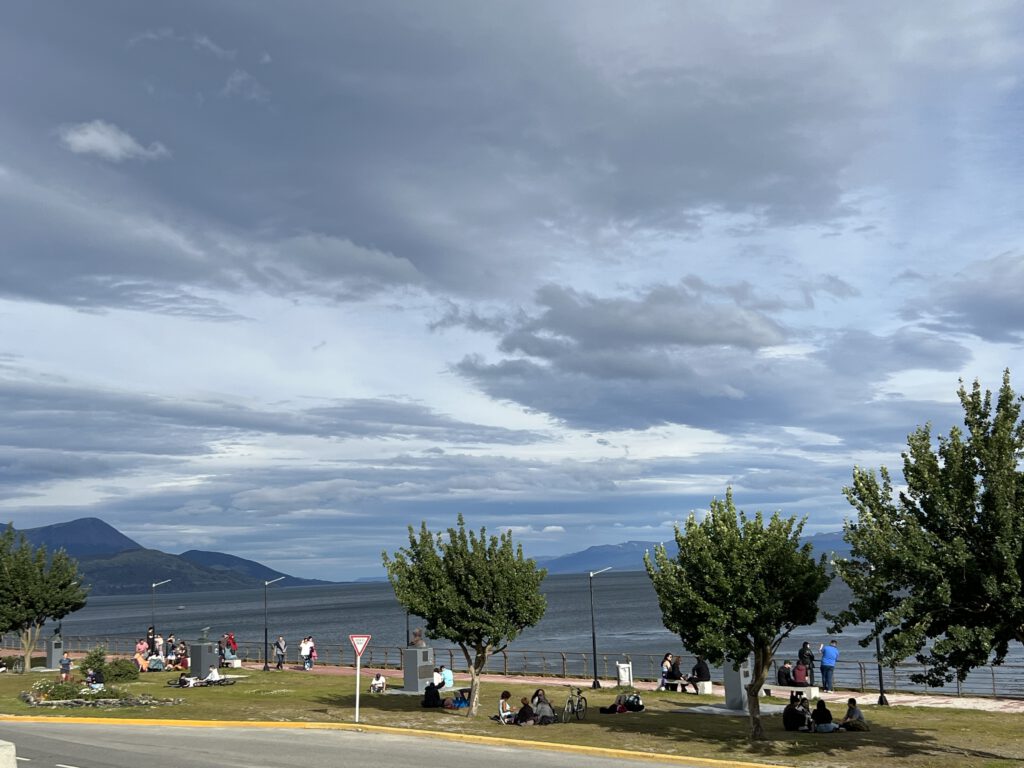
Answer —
(35, 587)
(943, 560)
(738, 587)
(477, 591)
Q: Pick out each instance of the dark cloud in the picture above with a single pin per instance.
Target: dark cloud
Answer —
(984, 299)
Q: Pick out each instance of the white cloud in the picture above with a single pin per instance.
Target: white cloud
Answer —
(109, 142)
(243, 85)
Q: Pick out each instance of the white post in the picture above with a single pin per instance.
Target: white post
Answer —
(358, 684)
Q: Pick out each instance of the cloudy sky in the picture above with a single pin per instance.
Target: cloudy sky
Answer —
(281, 279)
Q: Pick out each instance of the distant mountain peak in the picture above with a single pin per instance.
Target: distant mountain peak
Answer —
(83, 537)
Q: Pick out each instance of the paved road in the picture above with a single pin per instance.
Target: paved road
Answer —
(69, 745)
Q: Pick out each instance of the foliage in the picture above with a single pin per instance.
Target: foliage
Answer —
(95, 659)
(739, 586)
(34, 587)
(120, 670)
(943, 561)
(55, 690)
(477, 591)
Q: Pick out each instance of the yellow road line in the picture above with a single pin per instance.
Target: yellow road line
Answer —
(468, 738)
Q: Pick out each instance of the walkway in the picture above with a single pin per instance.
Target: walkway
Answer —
(866, 698)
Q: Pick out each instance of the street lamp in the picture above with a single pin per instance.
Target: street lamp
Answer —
(266, 642)
(152, 602)
(593, 628)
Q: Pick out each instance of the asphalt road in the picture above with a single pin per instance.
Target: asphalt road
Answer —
(71, 745)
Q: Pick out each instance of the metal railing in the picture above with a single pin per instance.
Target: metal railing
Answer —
(1005, 681)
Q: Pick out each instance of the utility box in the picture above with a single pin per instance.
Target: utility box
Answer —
(625, 673)
(200, 656)
(417, 668)
(54, 650)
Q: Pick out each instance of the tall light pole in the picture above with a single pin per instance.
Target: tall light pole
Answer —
(152, 602)
(593, 626)
(266, 640)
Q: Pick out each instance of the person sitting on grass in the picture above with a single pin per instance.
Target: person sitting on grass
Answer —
(431, 697)
(94, 679)
(213, 675)
(854, 720)
(543, 712)
(525, 715)
(379, 684)
(505, 711)
(795, 716)
(822, 718)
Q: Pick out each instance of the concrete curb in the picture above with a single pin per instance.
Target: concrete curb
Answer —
(466, 738)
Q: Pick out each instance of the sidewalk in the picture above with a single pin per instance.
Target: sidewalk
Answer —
(865, 698)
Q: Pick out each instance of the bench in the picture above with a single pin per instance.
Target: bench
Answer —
(810, 691)
(703, 686)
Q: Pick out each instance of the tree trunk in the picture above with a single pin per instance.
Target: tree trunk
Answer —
(476, 665)
(762, 659)
(29, 637)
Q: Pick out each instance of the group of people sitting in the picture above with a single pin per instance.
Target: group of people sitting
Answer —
(798, 716)
(672, 675)
(444, 679)
(227, 649)
(789, 675)
(536, 710)
(155, 654)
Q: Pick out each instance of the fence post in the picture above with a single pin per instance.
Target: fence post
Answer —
(504, 655)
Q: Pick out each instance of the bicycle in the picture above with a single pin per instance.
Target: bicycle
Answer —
(576, 705)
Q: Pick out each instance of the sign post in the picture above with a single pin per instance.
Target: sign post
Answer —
(359, 643)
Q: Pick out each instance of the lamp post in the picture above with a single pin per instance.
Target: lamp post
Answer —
(593, 627)
(266, 641)
(152, 602)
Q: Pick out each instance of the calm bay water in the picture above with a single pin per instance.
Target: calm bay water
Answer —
(626, 612)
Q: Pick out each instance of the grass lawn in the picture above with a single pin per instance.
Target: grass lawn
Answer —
(899, 736)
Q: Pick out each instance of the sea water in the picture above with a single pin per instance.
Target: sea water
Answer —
(627, 619)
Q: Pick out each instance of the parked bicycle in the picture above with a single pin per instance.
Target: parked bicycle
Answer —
(575, 705)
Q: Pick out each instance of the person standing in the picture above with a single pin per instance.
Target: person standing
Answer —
(151, 640)
(65, 667)
(829, 657)
(806, 655)
(280, 650)
(305, 649)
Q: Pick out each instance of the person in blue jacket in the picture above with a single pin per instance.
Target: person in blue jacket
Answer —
(829, 657)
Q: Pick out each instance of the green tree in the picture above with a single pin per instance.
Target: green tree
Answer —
(35, 587)
(739, 586)
(477, 591)
(942, 562)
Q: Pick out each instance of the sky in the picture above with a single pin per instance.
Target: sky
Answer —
(281, 280)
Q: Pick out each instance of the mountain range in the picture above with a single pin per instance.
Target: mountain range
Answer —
(112, 563)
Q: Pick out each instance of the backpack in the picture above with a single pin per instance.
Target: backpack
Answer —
(634, 703)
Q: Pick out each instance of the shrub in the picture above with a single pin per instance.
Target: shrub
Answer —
(55, 690)
(94, 659)
(120, 670)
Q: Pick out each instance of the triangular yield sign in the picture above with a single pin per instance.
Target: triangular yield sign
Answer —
(359, 643)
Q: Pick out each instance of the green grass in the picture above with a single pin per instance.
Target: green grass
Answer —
(915, 737)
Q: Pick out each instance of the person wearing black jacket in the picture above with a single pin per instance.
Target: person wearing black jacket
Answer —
(806, 655)
(699, 674)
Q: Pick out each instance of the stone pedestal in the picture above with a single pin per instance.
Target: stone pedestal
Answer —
(417, 668)
(736, 682)
(54, 650)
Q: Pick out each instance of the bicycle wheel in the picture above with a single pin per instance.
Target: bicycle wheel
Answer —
(567, 711)
(581, 708)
